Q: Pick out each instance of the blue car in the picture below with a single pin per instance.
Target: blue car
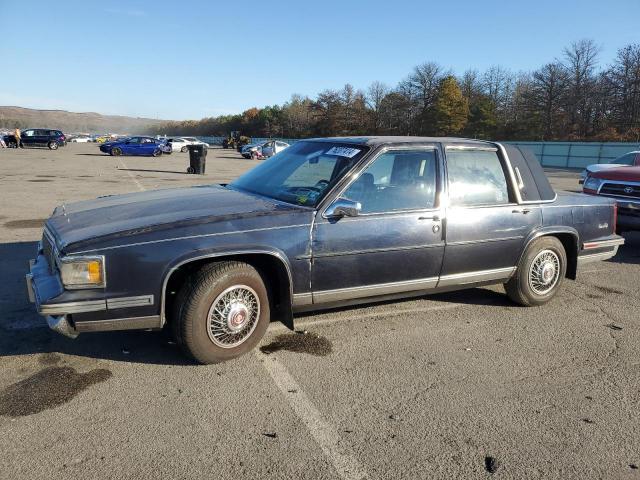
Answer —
(136, 146)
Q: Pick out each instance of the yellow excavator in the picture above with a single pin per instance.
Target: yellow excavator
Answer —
(236, 140)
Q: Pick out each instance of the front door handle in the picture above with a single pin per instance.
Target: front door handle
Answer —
(523, 211)
(435, 218)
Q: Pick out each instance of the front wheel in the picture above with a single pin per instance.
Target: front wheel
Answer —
(540, 273)
(116, 151)
(183, 149)
(53, 145)
(221, 312)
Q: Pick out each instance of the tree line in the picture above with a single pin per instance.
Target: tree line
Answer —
(571, 98)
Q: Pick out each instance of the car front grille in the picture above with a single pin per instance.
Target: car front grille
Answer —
(620, 190)
(49, 252)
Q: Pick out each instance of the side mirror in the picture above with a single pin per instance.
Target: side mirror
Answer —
(343, 207)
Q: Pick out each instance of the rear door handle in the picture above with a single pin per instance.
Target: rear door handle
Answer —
(524, 210)
(435, 218)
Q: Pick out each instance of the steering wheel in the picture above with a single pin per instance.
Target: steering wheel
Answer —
(322, 184)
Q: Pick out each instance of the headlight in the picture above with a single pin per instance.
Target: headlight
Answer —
(592, 183)
(82, 272)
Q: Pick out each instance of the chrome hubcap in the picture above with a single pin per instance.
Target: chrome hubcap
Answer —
(233, 316)
(544, 272)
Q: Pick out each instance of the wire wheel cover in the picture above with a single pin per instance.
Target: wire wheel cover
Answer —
(233, 316)
(544, 272)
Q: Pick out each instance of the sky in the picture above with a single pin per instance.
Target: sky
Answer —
(194, 59)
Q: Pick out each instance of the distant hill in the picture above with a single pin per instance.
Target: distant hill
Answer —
(86, 122)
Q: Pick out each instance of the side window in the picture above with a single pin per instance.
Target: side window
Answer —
(28, 133)
(397, 180)
(627, 159)
(476, 177)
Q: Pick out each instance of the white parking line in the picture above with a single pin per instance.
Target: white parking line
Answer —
(324, 434)
(126, 169)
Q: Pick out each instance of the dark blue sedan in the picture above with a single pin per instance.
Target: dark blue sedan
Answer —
(135, 146)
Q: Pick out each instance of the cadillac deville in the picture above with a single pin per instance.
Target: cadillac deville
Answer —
(325, 223)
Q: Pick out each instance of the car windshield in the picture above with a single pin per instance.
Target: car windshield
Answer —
(302, 173)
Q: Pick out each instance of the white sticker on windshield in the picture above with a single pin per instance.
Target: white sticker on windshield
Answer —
(343, 151)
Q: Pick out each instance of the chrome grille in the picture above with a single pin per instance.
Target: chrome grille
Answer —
(620, 190)
(49, 252)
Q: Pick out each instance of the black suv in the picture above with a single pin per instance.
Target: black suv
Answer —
(38, 137)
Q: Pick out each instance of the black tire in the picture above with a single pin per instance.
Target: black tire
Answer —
(196, 299)
(53, 145)
(116, 151)
(527, 292)
(156, 153)
(183, 149)
(191, 170)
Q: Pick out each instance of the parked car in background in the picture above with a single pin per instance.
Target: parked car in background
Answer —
(134, 146)
(630, 159)
(623, 185)
(181, 143)
(263, 150)
(325, 223)
(38, 137)
(81, 139)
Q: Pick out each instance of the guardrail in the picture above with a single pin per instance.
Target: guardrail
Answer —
(577, 154)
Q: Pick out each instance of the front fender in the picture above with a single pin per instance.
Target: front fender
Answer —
(193, 256)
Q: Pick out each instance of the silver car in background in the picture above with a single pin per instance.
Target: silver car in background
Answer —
(264, 150)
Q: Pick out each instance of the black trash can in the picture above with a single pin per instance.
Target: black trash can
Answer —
(197, 158)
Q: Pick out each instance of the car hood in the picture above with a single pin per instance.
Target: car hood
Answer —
(134, 213)
(598, 167)
(625, 174)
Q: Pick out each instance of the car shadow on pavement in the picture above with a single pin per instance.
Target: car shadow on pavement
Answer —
(24, 332)
(92, 154)
(151, 171)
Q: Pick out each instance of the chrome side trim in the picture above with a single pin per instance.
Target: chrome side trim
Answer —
(301, 299)
(604, 243)
(378, 250)
(337, 295)
(470, 147)
(476, 277)
(596, 257)
(131, 323)
(127, 302)
(487, 240)
(73, 307)
(188, 237)
(231, 253)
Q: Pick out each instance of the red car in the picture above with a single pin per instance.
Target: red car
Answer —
(623, 184)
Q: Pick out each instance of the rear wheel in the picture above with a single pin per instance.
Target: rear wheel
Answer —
(183, 149)
(540, 273)
(116, 151)
(53, 145)
(157, 152)
(221, 312)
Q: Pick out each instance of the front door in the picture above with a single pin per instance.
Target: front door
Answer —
(29, 137)
(395, 244)
(485, 227)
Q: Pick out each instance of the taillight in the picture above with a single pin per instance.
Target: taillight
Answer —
(615, 217)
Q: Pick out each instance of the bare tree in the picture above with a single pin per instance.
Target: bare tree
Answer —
(624, 80)
(376, 93)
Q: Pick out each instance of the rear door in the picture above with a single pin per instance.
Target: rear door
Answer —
(485, 226)
(148, 146)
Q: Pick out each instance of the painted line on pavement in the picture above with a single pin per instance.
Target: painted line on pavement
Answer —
(135, 180)
(325, 435)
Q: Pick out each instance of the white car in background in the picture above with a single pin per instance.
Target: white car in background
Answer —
(180, 144)
(631, 159)
(81, 139)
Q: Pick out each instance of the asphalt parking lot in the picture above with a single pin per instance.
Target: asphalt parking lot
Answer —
(458, 385)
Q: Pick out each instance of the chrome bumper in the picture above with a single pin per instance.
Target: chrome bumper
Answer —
(614, 243)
